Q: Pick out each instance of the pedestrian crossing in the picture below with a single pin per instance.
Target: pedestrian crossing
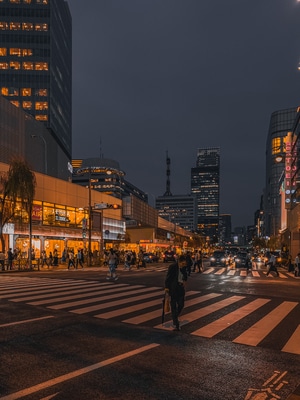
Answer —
(241, 319)
(214, 271)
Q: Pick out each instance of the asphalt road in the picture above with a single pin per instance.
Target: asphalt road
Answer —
(75, 335)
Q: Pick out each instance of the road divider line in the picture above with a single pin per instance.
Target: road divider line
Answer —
(26, 321)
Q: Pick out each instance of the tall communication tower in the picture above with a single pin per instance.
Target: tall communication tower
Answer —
(168, 186)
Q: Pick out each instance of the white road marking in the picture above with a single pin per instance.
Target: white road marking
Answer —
(25, 321)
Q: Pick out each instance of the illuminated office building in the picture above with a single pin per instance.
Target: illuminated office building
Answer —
(36, 72)
(205, 185)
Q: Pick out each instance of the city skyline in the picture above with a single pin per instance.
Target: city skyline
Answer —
(176, 76)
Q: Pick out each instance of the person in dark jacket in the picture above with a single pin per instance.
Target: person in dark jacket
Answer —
(175, 285)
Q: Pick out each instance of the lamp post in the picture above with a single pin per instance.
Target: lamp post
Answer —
(45, 150)
(90, 220)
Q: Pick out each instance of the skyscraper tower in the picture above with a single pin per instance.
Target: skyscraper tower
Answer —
(36, 68)
(205, 185)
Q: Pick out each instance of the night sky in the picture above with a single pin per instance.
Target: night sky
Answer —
(157, 76)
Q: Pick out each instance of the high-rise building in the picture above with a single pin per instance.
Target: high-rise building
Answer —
(281, 123)
(205, 185)
(36, 72)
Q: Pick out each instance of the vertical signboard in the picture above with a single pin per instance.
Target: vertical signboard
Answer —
(290, 170)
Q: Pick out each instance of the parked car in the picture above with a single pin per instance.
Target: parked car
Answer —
(218, 258)
(242, 260)
(169, 256)
(150, 257)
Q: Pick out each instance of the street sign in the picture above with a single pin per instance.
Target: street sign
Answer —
(100, 206)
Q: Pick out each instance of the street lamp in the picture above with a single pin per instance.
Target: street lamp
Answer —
(45, 149)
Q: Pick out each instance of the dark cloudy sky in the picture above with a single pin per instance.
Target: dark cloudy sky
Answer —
(151, 76)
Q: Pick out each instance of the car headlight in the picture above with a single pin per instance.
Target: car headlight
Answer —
(212, 259)
(237, 260)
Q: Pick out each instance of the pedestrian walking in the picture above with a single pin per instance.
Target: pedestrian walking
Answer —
(79, 258)
(10, 258)
(127, 261)
(71, 259)
(50, 258)
(55, 258)
(272, 265)
(189, 263)
(297, 265)
(112, 265)
(44, 258)
(2, 260)
(198, 261)
(175, 285)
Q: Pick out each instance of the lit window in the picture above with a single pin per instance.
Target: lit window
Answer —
(15, 65)
(27, 26)
(14, 26)
(41, 27)
(26, 92)
(15, 103)
(27, 65)
(3, 26)
(41, 66)
(41, 92)
(4, 91)
(3, 51)
(15, 1)
(276, 145)
(27, 52)
(15, 52)
(26, 1)
(27, 105)
(41, 117)
(41, 105)
(41, 1)
(3, 65)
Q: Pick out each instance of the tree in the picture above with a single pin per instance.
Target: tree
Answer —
(17, 187)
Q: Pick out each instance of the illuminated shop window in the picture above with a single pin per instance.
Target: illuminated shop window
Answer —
(15, 103)
(14, 26)
(3, 26)
(41, 92)
(3, 65)
(41, 66)
(27, 52)
(41, 105)
(41, 117)
(26, 92)
(4, 91)
(41, 27)
(3, 51)
(15, 52)
(27, 65)
(15, 65)
(27, 105)
(27, 26)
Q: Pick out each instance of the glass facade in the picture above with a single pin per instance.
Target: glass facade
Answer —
(205, 185)
(281, 123)
(36, 63)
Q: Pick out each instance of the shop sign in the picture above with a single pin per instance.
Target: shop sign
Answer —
(290, 170)
(8, 229)
(36, 212)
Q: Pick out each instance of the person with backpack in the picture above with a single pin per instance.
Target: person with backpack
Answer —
(272, 265)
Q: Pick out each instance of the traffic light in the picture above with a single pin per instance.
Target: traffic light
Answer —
(114, 206)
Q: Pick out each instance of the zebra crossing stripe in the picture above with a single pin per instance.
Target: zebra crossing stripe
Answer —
(67, 296)
(194, 315)
(254, 335)
(119, 302)
(129, 291)
(220, 271)
(139, 319)
(256, 274)
(208, 271)
(292, 345)
(219, 325)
